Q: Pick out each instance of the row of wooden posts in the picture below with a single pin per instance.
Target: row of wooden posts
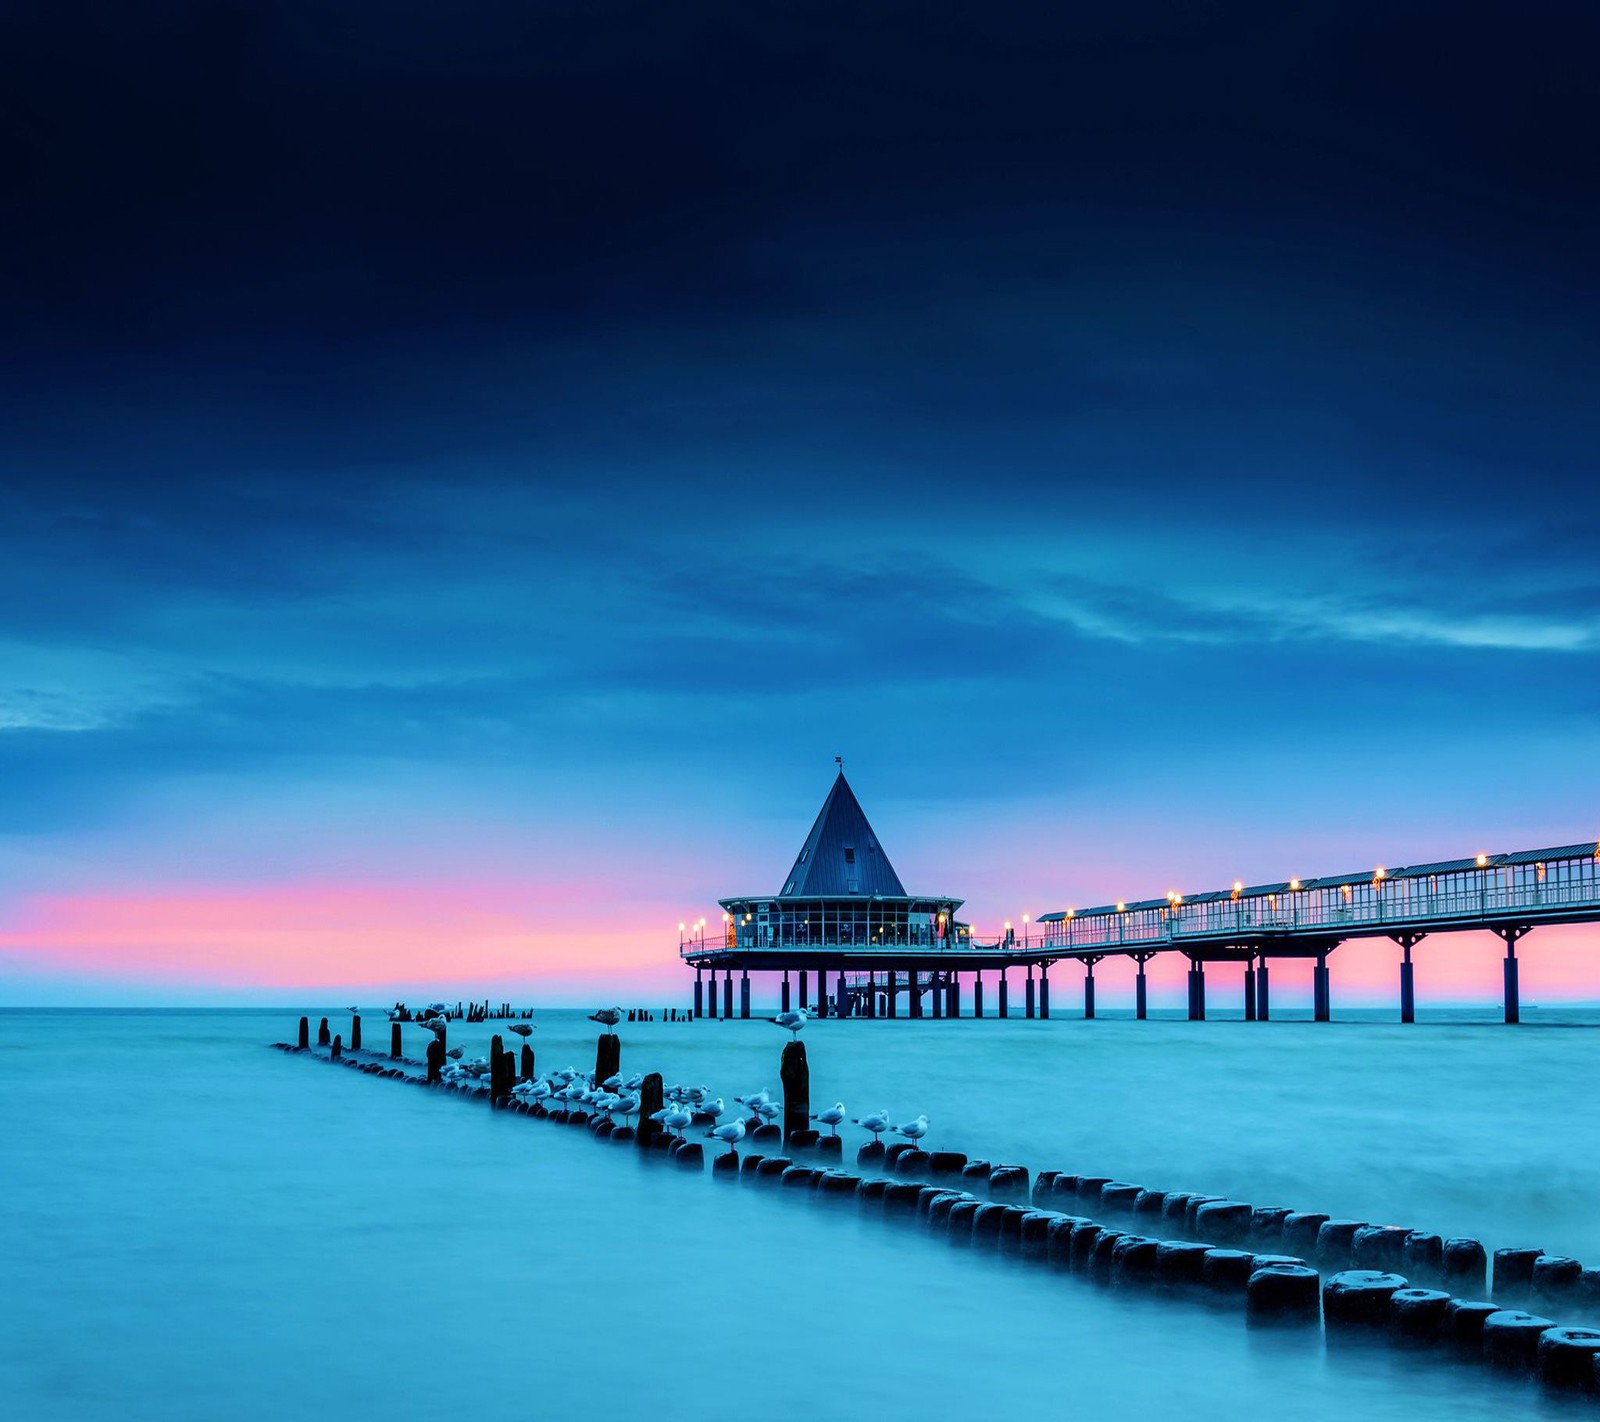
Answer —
(1128, 1236)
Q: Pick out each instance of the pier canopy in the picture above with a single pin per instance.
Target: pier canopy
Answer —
(841, 892)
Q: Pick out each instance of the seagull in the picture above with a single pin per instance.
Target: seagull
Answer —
(877, 1122)
(436, 1027)
(677, 1118)
(454, 1053)
(352, 1009)
(831, 1117)
(732, 1134)
(540, 1090)
(753, 1102)
(612, 1082)
(626, 1105)
(607, 1016)
(794, 1021)
(769, 1110)
(634, 1082)
(522, 1029)
(697, 1094)
(912, 1130)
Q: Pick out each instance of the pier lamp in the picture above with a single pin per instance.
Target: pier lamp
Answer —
(1121, 906)
(1025, 922)
(1379, 874)
(1238, 887)
(1294, 886)
(1483, 861)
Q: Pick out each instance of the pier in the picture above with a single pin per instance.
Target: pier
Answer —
(846, 937)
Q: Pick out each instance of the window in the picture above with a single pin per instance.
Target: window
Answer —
(849, 854)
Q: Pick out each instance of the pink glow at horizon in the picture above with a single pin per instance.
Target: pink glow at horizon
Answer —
(547, 943)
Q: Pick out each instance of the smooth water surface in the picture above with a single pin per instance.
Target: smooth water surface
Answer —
(198, 1227)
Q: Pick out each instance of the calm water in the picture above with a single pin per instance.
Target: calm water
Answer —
(196, 1227)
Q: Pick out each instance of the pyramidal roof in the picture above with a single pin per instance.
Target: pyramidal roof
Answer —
(841, 855)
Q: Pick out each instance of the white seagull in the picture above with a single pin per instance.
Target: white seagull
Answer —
(731, 1134)
(522, 1029)
(913, 1130)
(832, 1117)
(607, 1016)
(794, 1021)
(876, 1121)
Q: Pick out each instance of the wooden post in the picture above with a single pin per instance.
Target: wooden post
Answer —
(607, 1057)
(651, 1099)
(355, 1033)
(305, 1034)
(527, 1062)
(337, 1050)
(394, 1041)
(322, 1034)
(796, 1077)
(435, 1058)
(498, 1063)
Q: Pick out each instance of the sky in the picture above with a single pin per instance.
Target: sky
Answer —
(466, 471)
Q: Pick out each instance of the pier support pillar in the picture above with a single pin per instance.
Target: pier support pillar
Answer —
(699, 995)
(1250, 990)
(1141, 995)
(1005, 1005)
(1044, 993)
(891, 994)
(727, 994)
(1197, 992)
(914, 981)
(784, 999)
(953, 1008)
(804, 1001)
(1319, 990)
(1088, 991)
(744, 994)
(1408, 989)
(872, 994)
(1510, 937)
(841, 1004)
(1263, 996)
(1027, 995)
(937, 993)
(977, 994)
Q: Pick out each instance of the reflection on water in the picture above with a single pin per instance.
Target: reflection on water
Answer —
(197, 1227)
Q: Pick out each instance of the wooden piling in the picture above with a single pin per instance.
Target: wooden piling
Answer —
(322, 1034)
(435, 1058)
(304, 1042)
(394, 1041)
(651, 1099)
(607, 1057)
(527, 1062)
(355, 1032)
(337, 1049)
(795, 1074)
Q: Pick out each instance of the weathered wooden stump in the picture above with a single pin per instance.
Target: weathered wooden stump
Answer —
(1466, 1268)
(1512, 1282)
(651, 1100)
(1284, 1294)
(527, 1063)
(1417, 1315)
(435, 1058)
(1359, 1298)
(796, 1076)
(323, 1037)
(355, 1032)
(1511, 1339)
(394, 1041)
(607, 1056)
(337, 1049)
(305, 1034)
(1567, 1357)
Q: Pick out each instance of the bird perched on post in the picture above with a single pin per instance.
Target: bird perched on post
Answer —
(731, 1134)
(522, 1029)
(875, 1121)
(831, 1118)
(607, 1016)
(912, 1130)
(794, 1021)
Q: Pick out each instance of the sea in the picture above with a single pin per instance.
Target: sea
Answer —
(196, 1226)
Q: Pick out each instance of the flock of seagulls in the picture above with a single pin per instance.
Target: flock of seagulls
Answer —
(686, 1106)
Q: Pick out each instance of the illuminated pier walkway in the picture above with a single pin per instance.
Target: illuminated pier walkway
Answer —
(844, 914)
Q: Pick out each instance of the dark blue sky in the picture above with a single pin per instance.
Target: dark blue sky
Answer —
(1140, 438)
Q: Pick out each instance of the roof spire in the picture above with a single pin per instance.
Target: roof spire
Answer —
(841, 855)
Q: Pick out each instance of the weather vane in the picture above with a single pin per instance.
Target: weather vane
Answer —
(839, 761)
